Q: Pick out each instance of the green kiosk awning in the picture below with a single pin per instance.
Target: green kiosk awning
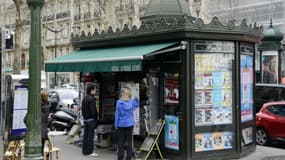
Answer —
(104, 60)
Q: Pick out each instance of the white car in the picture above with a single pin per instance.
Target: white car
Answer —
(62, 97)
(68, 86)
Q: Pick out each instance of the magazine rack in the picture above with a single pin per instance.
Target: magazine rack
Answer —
(151, 141)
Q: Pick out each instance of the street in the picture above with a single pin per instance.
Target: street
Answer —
(71, 151)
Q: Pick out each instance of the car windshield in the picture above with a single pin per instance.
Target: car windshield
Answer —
(67, 94)
(277, 110)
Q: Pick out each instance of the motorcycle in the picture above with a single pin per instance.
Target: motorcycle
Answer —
(61, 119)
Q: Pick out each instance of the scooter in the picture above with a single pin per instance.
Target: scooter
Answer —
(61, 119)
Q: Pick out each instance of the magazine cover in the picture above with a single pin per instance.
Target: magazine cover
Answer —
(218, 115)
(207, 142)
(217, 141)
(199, 84)
(217, 79)
(208, 81)
(227, 97)
(228, 140)
(222, 115)
(227, 79)
(247, 136)
(199, 97)
(171, 91)
(199, 117)
(227, 112)
(198, 142)
(208, 97)
(217, 97)
(209, 116)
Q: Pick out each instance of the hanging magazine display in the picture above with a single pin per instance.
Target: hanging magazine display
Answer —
(213, 83)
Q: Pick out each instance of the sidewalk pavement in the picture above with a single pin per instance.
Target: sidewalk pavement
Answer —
(71, 151)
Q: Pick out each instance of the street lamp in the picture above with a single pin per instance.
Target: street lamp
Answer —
(55, 46)
(270, 56)
(33, 135)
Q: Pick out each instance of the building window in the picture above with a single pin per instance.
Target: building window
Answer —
(198, 13)
(23, 61)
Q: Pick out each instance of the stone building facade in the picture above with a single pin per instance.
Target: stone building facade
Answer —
(62, 17)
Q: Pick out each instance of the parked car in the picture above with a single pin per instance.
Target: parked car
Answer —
(69, 86)
(62, 97)
(268, 93)
(270, 123)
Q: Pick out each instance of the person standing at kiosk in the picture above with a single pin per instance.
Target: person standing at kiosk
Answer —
(124, 121)
(90, 115)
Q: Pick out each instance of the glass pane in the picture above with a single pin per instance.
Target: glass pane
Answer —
(213, 83)
(213, 95)
(277, 110)
(269, 67)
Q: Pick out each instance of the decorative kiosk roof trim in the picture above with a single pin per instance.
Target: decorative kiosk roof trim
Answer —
(157, 29)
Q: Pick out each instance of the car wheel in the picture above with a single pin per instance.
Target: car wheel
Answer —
(262, 137)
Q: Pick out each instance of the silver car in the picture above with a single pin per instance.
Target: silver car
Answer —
(62, 97)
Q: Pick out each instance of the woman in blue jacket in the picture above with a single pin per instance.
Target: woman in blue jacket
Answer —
(124, 121)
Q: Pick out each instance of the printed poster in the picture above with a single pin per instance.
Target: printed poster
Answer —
(246, 88)
(228, 140)
(207, 142)
(213, 141)
(218, 141)
(247, 136)
(198, 142)
(20, 108)
(171, 137)
(171, 91)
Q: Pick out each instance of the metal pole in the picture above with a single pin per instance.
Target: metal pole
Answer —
(33, 136)
(55, 55)
(55, 46)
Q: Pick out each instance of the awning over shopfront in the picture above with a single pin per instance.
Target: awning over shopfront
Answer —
(104, 60)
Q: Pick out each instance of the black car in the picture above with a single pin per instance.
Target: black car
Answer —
(267, 93)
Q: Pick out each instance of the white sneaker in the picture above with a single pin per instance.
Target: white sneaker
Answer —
(93, 155)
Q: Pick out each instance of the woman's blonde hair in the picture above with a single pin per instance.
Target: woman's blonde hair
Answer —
(126, 94)
(44, 96)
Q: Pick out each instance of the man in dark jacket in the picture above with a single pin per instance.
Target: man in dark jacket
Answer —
(90, 114)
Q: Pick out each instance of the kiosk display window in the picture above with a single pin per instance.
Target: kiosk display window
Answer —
(246, 90)
(213, 83)
(246, 87)
(213, 95)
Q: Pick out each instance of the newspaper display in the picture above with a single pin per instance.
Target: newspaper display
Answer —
(213, 95)
(213, 141)
(213, 84)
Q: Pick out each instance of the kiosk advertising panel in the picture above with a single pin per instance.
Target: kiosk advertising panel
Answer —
(246, 90)
(20, 108)
(213, 91)
(171, 135)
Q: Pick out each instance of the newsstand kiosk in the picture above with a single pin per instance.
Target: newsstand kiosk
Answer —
(197, 78)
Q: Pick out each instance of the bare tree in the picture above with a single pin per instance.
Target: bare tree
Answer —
(18, 29)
